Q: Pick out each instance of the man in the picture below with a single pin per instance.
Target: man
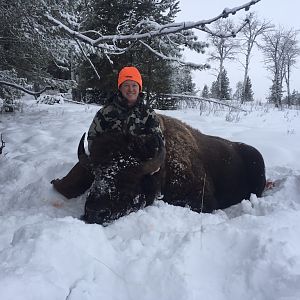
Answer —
(125, 112)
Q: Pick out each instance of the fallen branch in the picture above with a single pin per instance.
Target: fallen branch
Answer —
(19, 87)
(204, 99)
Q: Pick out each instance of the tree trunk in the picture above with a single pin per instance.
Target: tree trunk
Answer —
(287, 78)
(220, 79)
(245, 77)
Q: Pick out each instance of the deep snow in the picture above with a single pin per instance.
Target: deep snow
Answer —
(250, 251)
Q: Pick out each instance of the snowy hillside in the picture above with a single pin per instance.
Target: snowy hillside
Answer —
(250, 251)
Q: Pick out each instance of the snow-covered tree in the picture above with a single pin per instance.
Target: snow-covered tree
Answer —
(247, 92)
(42, 39)
(182, 81)
(294, 99)
(280, 49)
(220, 88)
(29, 46)
(205, 92)
(224, 48)
(292, 53)
(238, 91)
(110, 17)
(249, 38)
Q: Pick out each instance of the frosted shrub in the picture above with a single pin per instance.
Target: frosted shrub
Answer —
(10, 105)
(232, 117)
(50, 99)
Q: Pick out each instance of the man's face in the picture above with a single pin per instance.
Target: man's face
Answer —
(130, 91)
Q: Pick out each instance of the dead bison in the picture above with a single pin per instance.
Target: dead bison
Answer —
(199, 171)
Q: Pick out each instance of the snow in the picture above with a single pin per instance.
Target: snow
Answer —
(249, 251)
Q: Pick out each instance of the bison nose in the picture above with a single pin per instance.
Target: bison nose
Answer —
(98, 216)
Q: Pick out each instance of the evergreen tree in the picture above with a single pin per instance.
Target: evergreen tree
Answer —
(238, 92)
(214, 90)
(276, 93)
(224, 93)
(205, 93)
(248, 93)
(181, 81)
(294, 98)
(30, 46)
(115, 16)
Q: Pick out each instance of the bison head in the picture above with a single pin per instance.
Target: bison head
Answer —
(123, 168)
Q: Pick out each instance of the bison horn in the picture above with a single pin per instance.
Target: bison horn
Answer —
(83, 158)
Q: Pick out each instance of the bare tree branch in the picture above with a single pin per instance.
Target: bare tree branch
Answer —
(250, 33)
(278, 47)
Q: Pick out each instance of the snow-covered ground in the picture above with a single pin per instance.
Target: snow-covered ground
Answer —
(250, 251)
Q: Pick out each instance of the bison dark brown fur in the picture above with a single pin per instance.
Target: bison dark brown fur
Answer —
(195, 168)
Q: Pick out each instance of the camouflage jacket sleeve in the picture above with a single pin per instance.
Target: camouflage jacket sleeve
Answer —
(96, 127)
(153, 125)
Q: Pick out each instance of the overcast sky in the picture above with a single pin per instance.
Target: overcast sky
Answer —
(280, 13)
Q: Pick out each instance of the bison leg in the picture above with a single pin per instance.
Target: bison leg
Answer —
(75, 183)
(151, 186)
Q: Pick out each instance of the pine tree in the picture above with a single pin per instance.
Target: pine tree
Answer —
(224, 93)
(115, 16)
(294, 98)
(30, 46)
(247, 95)
(238, 92)
(276, 93)
(214, 90)
(181, 81)
(205, 93)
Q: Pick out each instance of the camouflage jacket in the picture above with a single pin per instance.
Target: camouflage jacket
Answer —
(137, 120)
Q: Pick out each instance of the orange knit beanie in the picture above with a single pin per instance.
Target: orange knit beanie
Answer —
(130, 73)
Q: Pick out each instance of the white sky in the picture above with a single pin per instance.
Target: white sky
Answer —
(280, 13)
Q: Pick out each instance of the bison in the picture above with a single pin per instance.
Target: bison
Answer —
(196, 170)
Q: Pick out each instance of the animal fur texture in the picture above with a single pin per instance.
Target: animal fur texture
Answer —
(200, 171)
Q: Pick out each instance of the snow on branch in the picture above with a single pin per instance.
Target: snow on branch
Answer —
(88, 59)
(174, 59)
(19, 87)
(107, 42)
